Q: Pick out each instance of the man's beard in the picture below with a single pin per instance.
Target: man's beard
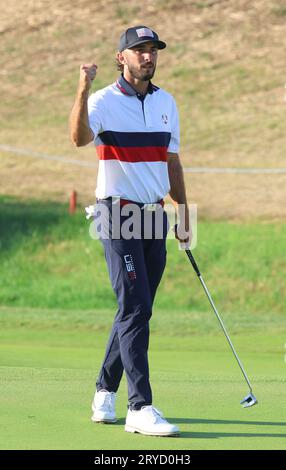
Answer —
(143, 74)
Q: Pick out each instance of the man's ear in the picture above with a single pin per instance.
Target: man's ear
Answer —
(121, 58)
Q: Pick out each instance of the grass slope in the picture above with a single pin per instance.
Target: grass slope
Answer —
(224, 64)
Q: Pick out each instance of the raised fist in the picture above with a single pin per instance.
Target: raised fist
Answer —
(87, 74)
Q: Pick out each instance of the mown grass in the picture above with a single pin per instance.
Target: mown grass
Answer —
(49, 364)
(45, 403)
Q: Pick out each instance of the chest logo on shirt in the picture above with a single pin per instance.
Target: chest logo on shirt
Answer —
(165, 118)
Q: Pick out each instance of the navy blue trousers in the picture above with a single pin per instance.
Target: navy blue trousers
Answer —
(135, 269)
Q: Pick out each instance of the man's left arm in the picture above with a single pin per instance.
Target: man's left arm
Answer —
(178, 195)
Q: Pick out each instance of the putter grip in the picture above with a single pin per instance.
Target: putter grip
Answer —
(192, 260)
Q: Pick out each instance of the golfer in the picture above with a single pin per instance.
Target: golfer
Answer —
(134, 126)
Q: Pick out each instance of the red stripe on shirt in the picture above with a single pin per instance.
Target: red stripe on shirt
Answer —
(132, 154)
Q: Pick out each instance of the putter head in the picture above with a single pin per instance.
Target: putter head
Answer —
(249, 400)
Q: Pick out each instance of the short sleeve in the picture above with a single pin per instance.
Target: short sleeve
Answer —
(95, 114)
(174, 144)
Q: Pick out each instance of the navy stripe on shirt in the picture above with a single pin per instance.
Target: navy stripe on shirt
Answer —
(135, 139)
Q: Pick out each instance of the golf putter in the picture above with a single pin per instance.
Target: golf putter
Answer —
(250, 399)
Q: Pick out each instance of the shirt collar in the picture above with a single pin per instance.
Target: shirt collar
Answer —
(125, 87)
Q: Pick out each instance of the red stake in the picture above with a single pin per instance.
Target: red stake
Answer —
(72, 207)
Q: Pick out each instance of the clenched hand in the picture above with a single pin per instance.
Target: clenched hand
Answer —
(87, 75)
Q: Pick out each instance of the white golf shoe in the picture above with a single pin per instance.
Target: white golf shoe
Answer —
(149, 421)
(103, 407)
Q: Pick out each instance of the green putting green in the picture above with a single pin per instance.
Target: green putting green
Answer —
(48, 376)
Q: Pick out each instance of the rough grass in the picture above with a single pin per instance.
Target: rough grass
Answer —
(48, 260)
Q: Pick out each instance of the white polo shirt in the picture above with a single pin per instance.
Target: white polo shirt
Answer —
(132, 135)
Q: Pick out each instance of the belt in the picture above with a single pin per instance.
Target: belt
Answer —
(142, 205)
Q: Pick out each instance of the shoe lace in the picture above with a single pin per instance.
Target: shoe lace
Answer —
(159, 412)
(154, 413)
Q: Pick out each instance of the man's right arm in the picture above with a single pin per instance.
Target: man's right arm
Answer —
(80, 132)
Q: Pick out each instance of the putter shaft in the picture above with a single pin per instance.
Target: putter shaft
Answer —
(225, 332)
(194, 264)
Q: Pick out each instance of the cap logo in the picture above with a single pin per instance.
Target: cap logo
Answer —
(141, 32)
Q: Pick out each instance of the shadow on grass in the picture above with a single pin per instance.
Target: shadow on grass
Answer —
(224, 421)
(24, 221)
(217, 435)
